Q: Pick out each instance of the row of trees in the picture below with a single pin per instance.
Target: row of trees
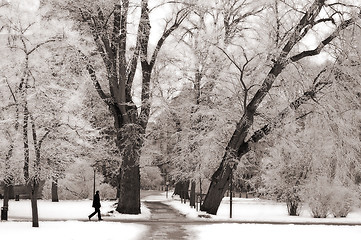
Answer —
(214, 77)
(275, 81)
(42, 123)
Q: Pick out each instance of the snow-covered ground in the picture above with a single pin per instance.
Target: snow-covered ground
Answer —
(71, 222)
(72, 230)
(257, 210)
(274, 232)
(67, 210)
(68, 220)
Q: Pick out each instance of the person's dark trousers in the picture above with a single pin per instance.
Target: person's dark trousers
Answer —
(97, 210)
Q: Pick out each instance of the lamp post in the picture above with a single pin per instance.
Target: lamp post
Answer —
(166, 188)
(231, 164)
(94, 183)
(166, 182)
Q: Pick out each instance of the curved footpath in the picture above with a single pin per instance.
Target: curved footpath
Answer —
(168, 223)
(165, 222)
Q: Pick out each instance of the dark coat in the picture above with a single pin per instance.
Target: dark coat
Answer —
(96, 201)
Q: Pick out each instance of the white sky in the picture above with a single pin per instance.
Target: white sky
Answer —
(26, 5)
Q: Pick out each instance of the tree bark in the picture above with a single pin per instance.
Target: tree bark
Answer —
(8, 179)
(34, 189)
(34, 184)
(26, 143)
(54, 190)
(117, 195)
(177, 188)
(181, 189)
(129, 199)
(184, 191)
(4, 210)
(192, 201)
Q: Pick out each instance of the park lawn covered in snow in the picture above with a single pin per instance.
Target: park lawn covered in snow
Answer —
(72, 230)
(273, 232)
(67, 220)
(67, 210)
(259, 210)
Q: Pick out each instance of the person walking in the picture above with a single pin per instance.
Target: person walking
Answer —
(96, 205)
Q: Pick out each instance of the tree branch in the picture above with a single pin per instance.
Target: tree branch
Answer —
(107, 99)
(123, 28)
(279, 120)
(246, 121)
(180, 17)
(39, 45)
(116, 29)
(99, 40)
(326, 41)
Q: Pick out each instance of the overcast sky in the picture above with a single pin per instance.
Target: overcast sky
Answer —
(29, 5)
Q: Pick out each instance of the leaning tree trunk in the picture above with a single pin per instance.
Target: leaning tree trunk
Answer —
(221, 177)
(217, 189)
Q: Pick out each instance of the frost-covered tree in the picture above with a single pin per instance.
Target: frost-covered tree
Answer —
(121, 33)
(336, 17)
(39, 122)
(199, 114)
(317, 152)
(20, 91)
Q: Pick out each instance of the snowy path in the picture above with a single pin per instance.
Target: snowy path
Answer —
(169, 222)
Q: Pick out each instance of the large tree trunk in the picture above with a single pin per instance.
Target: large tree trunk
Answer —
(181, 189)
(117, 195)
(217, 188)
(129, 199)
(130, 144)
(220, 178)
(177, 188)
(184, 191)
